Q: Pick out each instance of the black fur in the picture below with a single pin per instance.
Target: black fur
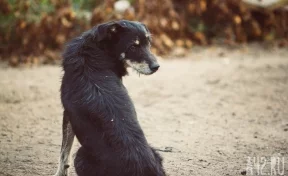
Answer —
(99, 108)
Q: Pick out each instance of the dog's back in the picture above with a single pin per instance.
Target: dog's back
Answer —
(102, 114)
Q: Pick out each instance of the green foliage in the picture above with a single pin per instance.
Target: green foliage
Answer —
(85, 4)
(197, 25)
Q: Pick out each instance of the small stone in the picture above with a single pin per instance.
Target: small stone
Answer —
(221, 54)
(243, 172)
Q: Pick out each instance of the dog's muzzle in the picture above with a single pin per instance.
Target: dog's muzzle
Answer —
(154, 67)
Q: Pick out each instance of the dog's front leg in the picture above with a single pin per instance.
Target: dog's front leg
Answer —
(67, 142)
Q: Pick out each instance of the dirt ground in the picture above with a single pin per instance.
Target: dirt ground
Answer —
(206, 113)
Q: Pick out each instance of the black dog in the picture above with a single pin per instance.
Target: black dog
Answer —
(97, 107)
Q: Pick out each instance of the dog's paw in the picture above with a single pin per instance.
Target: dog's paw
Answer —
(63, 172)
(60, 174)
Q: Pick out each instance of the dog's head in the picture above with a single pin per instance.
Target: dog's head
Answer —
(129, 42)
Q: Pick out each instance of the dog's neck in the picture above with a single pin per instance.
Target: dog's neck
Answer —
(90, 57)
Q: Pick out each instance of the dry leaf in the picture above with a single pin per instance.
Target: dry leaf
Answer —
(237, 19)
(166, 40)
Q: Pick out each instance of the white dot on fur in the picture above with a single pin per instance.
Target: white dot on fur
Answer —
(113, 29)
(137, 42)
(112, 120)
(122, 55)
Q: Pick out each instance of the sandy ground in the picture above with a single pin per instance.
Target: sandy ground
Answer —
(207, 113)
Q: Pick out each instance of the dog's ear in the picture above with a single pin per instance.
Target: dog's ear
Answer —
(147, 30)
(107, 30)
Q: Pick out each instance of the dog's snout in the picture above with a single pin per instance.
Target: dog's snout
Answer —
(154, 67)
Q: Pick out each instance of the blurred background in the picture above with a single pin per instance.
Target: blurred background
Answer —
(32, 30)
(216, 107)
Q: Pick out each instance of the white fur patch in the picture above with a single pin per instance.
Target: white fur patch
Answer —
(137, 42)
(65, 151)
(141, 67)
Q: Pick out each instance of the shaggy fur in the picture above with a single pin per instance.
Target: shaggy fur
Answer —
(98, 107)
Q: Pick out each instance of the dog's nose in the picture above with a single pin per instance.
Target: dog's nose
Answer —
(154, 67)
